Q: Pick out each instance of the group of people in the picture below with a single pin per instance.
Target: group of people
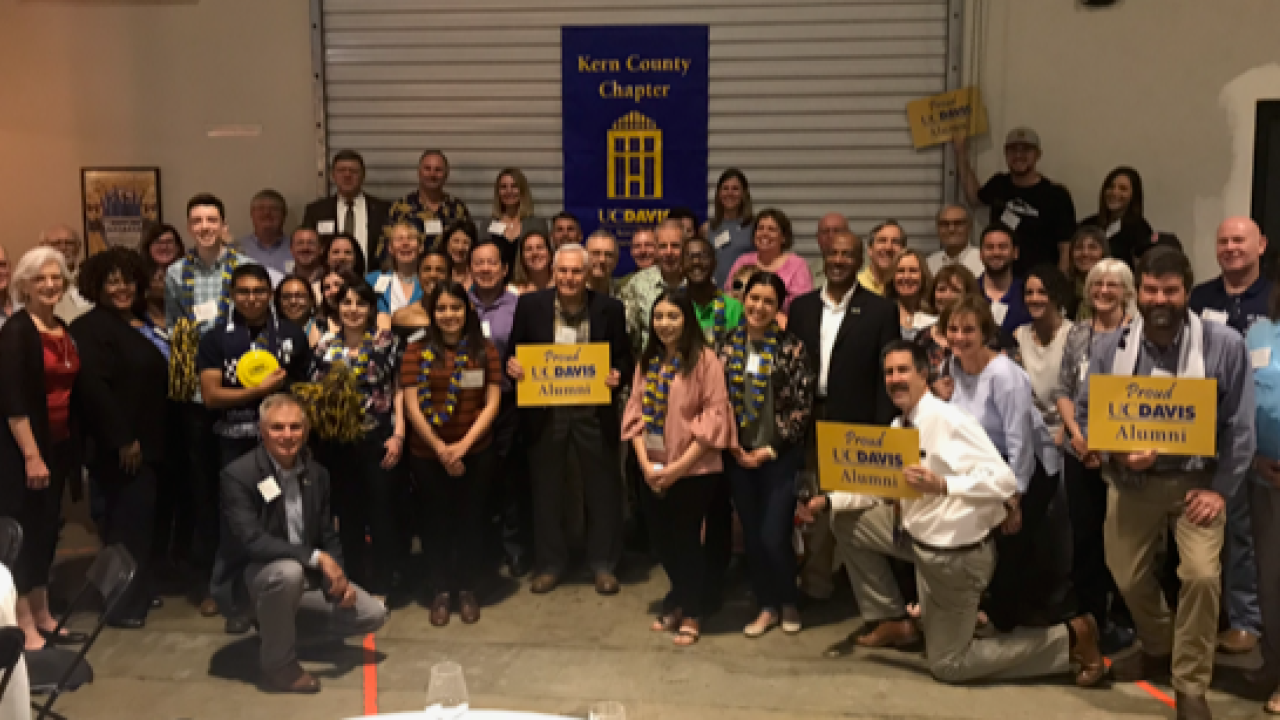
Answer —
(286, 414)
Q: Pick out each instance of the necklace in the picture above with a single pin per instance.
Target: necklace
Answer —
(657, 386)
(429, 356)
(748, 394)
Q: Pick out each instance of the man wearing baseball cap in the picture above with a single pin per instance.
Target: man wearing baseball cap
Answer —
(1039, 211)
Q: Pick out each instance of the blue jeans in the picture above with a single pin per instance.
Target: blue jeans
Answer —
(765, 498)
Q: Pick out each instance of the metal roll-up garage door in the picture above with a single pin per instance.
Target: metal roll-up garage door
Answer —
(807, 97)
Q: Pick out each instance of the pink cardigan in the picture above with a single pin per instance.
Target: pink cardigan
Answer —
(794, 273)
(697, 408)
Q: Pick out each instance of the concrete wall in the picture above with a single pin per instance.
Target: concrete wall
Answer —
(140, 83)
(1167, 86)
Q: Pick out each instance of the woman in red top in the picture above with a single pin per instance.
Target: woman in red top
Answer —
(452, 391)
(38, 368)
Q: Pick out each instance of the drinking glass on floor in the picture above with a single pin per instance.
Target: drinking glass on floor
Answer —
(447, 693)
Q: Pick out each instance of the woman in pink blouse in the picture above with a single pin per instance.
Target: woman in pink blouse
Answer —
(678, 420)
(773, 240)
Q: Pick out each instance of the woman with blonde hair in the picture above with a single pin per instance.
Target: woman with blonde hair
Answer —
(396, 285)
(911, 280)
(513, 215)
(39, 450)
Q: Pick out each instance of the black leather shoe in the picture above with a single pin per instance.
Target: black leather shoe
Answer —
(237, 626)
(519, 565)
(128, 623)
(66, 637)
(844, 648)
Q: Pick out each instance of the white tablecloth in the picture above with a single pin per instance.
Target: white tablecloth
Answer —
(16, 703)
(471, 715)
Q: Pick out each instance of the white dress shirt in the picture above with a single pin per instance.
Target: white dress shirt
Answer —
(361, 231)
(832, 316)
(978, 480)
(968, 257)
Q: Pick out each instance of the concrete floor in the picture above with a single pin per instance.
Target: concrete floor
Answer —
(558, 653)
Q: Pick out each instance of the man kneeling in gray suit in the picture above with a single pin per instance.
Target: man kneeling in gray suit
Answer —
(279, 548)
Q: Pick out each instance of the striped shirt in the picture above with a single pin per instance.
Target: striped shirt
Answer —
(471, 401)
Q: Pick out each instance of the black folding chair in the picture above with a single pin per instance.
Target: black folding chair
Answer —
(10, 541)
(12, 640)
(110, 576)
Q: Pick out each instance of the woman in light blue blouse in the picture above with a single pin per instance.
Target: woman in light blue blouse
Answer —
(732, 227)
(1031, 585)
(397, 284)
(1264, 487)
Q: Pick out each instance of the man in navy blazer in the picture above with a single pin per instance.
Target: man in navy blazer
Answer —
(280, 549)
(569, 313)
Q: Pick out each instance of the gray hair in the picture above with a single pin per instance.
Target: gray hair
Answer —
(602, 233)
(44, 234)
(571, 248)
(29, 267)
(1111, 267)
(279, 400)
(669, 225)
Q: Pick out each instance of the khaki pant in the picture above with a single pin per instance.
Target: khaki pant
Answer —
(1136, 520)
(951, 584)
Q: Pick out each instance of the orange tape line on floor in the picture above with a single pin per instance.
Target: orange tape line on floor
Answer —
(1151, 690)
(370, 677)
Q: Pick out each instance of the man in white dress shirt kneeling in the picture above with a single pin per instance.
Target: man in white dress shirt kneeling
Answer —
(947, 532)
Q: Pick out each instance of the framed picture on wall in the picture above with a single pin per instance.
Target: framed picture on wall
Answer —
(120, 204)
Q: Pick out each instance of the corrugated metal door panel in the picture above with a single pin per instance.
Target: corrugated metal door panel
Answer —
(807, 97)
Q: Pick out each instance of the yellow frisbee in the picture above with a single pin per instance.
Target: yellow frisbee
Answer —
(255, 366)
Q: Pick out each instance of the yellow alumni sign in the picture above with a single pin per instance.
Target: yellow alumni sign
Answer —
(866, 459)
(563, 375)
(1175, 415)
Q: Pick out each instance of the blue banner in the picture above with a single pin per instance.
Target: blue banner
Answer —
(634, 117)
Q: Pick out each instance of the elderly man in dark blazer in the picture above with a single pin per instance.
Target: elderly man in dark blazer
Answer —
(569, 313)
(280, 548)
(845, 326)
(350, 210)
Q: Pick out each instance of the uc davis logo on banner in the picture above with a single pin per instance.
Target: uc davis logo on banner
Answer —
(635, 158)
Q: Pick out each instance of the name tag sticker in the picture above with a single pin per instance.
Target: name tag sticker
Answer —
(1212, 315)
(472, 379)
(753, 364)
(497, 228)
(432, 227)
(1010, 218)
(206, 311)
(326, 227)
(383, 283)
(1260, 357)
(722, 239)
(1160, 372)
(269, 488)
(484, 327)
(654, 442)
(289, 265)
(566, 336)
(998, 311)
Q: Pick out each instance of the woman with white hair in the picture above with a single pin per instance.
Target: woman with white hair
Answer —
(1108, 304)
(38, 454)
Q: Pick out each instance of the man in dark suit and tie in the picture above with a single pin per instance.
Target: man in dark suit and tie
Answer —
(569, 313)
(351, 210)
(845, 326)
(280, 550)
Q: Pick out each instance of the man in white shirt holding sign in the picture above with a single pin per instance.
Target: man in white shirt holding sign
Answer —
(964, 484)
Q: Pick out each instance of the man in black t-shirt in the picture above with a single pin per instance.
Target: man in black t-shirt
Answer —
(1040, 212)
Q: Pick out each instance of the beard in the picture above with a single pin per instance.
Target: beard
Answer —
(1162, 317)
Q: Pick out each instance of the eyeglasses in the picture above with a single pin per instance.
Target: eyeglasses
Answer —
(252, 292)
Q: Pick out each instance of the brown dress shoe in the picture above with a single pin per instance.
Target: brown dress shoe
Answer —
(1192, 707)
(890, 633)
(1237, 642)
(468, 607)
(1085, 651)
(208, 607)
(440, 607)
(291, 679)
(544, 583)
(607, 584)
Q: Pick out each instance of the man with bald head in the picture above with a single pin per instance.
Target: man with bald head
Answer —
(954, 229)
(1237, 298)
(67, 241)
